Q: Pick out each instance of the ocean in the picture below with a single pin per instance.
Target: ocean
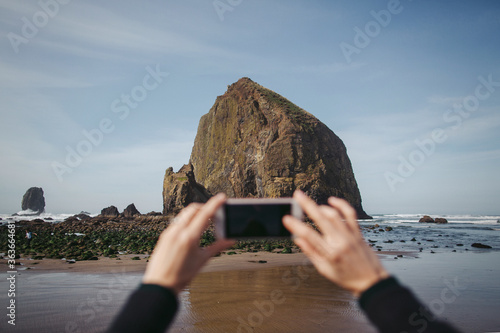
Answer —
(408, 234)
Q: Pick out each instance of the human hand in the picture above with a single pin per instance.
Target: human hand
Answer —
(339, 253)
(177, 256)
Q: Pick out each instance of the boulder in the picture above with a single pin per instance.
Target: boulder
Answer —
(82, 216)
(255, 143)
(34, 200)
(180, 189)
(481, 246)
(110, 211)
(130, 211)
(426, 219)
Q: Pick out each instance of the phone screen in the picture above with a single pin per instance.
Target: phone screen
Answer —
(256, 220)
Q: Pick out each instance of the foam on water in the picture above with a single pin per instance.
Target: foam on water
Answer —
(414, 218)
(28, 215)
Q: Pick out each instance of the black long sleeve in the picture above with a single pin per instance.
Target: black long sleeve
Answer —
(150, 309)
(393, 308)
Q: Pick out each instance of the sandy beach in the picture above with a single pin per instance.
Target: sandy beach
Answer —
(259, 292)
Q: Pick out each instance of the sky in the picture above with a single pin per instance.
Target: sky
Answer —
(99, 98)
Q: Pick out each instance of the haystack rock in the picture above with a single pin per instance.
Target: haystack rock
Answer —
(34, 200)
(255, 143)
(180, 189)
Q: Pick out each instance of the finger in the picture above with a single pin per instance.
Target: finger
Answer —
(313, 211)
(348, 212)
(302, 231)
(201, 220)
(336, 220)
(186, 215)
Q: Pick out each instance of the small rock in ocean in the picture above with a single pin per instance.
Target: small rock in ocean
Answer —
(460, 244)
(388, 228)
(426, 219)
(481, 246)
(413, 239)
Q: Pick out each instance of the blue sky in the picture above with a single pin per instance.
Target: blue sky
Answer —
(411, 87)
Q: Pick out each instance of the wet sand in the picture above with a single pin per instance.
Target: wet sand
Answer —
(237, 294)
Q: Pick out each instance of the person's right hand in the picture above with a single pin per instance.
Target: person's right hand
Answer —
(339, 253)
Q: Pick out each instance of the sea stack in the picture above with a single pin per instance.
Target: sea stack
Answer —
(34, 200)
(255, 143)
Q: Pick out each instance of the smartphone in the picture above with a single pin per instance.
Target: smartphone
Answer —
(255, 218)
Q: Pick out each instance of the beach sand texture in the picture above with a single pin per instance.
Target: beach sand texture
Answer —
(235, 293)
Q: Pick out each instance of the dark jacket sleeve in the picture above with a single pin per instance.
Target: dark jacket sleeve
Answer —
(393, 308)
(150, 308)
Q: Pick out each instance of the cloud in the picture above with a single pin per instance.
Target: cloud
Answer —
(21, 77)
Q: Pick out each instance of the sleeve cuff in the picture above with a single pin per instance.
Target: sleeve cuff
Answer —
(376, 288)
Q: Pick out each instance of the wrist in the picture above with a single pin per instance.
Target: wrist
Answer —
(370, 282)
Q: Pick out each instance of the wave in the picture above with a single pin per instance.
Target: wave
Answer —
(28, 215)
(414, 218)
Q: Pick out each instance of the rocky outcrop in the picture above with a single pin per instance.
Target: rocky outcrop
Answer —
(110, 211)
(34, 200)
(130, 211)
(428, 219)
(255, 143)
(180, 189)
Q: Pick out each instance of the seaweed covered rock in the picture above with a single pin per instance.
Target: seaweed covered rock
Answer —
(255, 143)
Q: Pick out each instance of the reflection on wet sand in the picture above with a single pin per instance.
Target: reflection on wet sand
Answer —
(279, 299)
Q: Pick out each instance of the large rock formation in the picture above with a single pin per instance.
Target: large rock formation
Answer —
(34, 200)
(180, 189)
(255, 143)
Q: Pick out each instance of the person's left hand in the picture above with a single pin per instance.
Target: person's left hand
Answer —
(177, 257)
